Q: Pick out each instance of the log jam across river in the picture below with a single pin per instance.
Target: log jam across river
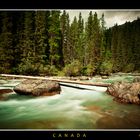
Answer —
(72, 109)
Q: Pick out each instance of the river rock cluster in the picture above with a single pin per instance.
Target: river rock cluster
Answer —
(38, 88)
(126, 92)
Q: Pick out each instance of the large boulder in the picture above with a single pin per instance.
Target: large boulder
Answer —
(38, 88)
(125, 92)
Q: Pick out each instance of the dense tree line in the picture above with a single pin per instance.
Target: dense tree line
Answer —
(48, 43)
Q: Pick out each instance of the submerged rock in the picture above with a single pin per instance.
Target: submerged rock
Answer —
(125, 92)
(136, 79)
(38, 88)
(84, 78)
(105, 77)
(115, 122)
(4, 91)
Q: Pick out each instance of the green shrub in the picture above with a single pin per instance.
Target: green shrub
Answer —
(83, 71)
(48, 70)
(53, 70)
(106, 68)
(28, 68)
(5, 68)
(61, 73)
(90, 70)
(73, 69)
(129, 68)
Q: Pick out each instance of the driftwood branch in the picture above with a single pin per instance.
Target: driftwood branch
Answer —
(58, 80)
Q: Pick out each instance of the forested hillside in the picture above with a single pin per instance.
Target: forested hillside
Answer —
(47, 43)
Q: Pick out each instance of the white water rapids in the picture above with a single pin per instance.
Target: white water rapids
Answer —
(72, 109)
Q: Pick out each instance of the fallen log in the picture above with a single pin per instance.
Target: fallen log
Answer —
(84, 87)
(75, 86)
(58, 80)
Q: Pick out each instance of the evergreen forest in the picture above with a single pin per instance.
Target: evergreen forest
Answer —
(47, 43)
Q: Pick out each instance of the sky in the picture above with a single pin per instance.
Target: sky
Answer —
(111, 16)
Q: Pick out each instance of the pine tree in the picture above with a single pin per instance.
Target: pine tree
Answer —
(93, 43)
(103, 43)
(1, 21)
(81, 40)
(136, 44)
(26, 45)
(55, 39)
(96, 42)
(47, 24)
(88, 36)
(65, 29)
(114, 43)
(108, 36)
(6, 44)
(41, 38)
(73, 39)
(18, 28)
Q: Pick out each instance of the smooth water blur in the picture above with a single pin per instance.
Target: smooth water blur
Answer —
(114, 78)
(72, 109)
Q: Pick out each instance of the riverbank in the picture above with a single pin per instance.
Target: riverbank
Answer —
(76, 78)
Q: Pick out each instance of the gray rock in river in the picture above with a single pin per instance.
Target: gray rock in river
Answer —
(105, 77)
(125, 92)
(136, 79)
(4, 91)
(38, 88)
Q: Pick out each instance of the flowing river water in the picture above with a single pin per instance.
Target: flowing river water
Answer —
(72, 109)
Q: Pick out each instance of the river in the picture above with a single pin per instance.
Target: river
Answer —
(72, 109)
